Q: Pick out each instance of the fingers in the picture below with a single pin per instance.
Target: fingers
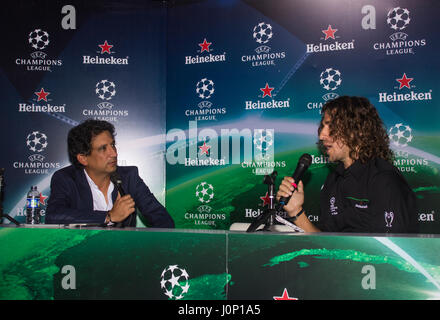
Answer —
(288, 186)
(125, 203)
(127, 200)
(300, 187)
(285, 189)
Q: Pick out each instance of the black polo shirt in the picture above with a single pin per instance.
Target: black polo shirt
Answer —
(372, 197)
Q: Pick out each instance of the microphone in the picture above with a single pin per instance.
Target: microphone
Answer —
(303, 164)
(117, 181)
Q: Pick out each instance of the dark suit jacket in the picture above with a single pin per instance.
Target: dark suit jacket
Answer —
(71, 200)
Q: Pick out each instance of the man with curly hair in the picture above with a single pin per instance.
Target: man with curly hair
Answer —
(365, 192)
(84, 191)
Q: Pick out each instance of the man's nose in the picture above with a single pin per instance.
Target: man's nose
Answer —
(113, 152)
(323, 134)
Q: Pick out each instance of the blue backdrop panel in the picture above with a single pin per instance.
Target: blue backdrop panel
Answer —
(110, 67)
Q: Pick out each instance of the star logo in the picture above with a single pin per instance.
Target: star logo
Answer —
(267, 91)
(105, 47)
(266, 199)
(205, 45)
(42, 95)
(404, 81)
(329, 33)
(285, 296)
(43, 199)
(204, 149)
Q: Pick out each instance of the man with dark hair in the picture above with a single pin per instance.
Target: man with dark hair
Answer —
(84, 192)
(365, 192)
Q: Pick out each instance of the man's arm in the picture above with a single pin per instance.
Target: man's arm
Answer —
(294, 206)
(62, 206)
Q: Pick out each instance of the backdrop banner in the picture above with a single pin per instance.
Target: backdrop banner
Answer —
(246, 82)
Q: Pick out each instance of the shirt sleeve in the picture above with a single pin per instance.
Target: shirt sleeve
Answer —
(393, 204)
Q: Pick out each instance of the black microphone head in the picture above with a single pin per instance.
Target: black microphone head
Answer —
(303, 164)
(116, 178)
(306, 159)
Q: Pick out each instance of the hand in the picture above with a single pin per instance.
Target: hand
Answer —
(297, 198)
(122, 208)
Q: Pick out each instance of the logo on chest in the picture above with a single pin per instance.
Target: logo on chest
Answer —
(333, 208)
(389, 218)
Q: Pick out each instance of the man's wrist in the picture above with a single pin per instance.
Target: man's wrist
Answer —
(108, 219)
(296, 216)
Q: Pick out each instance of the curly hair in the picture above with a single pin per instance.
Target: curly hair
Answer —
(355, 122)
(79, 138)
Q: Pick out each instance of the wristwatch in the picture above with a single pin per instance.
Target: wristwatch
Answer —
(109, 218)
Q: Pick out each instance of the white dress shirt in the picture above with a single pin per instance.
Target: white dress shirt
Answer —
(99, 203)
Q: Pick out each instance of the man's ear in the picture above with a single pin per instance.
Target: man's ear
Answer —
(82, 158)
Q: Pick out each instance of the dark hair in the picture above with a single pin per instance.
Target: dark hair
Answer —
(79, 138)
(355, 121)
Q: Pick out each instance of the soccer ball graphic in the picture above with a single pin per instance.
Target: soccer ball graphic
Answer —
(400, 135)
(330, 79)
(105, 89)
(39, 39)
(398, 18)
(174, 282)
(262, 141)
(262, 32)
(36, 141)
(205, 192)
(205, 88)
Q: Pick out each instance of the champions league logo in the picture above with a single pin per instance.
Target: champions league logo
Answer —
(36, 142)
(106, 91)
(264, 149)
(264, 140)
(401, 136)
(204, 193)
(174, 282)
(330, 79)
(263, 33)
(39, 40)
(399, 19)
(205, 89)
